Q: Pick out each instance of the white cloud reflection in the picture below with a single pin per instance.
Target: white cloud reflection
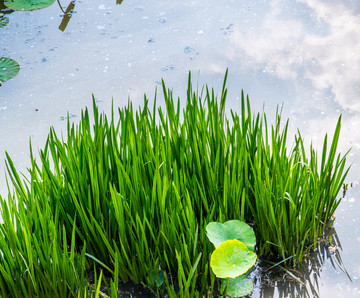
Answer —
(320, 45)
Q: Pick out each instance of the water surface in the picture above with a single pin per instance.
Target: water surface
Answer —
(303, 54)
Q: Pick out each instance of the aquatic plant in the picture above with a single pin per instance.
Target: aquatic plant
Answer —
(133, 192)
(293, 197)
(3, 21)
(38, 258)
(234, 255)
(8, 69)
(28, 4)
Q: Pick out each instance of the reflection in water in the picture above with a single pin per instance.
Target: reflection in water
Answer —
(67, 14)
(301, 53)
(302, 281)
(312, 41)
(69, 11)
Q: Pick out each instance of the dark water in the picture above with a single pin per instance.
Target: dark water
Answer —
(303, 54)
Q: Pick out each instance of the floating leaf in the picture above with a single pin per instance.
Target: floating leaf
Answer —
(230, 230)
(4, 21)
(237, 287)
(157, 277)
(28, 4)
(231, 259)
(8, 69)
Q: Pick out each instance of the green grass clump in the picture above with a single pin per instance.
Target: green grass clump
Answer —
(134, 196)
(37, 258)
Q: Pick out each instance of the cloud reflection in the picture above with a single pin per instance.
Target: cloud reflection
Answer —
(317, 41)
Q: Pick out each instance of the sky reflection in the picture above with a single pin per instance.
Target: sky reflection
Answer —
(315, 41)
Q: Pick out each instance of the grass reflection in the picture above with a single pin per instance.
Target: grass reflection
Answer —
(280, 282)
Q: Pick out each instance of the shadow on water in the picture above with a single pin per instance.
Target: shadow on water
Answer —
(302, 281)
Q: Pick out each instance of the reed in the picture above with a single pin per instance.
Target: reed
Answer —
(134, 196)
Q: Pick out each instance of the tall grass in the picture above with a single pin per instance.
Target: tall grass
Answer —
(37, 258)
(134, 195)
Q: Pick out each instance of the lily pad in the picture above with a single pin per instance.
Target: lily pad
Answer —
(237, 287)
(156, 277)
(4, 21)
(28, 4)
(230, 230)
(231, 259)
(8, 69)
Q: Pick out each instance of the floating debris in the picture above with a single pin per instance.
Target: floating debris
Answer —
(162, 20)
(69, 116)
(188, 49)
(168, 67)
(227, 30)
(333, 249)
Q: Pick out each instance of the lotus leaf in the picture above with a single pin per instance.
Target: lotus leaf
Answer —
(237, 287)
(230, 230)
(231, 259)
(4, 21)
(8, 69)
(156, 277)
(28, 4)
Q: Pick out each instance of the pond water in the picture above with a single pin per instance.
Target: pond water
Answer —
(303, 54)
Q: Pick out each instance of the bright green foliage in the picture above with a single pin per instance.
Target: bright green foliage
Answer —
(232, 229)
(237, 287)
(133, 192)
(231, 259)
(37, 258)
(293, 196)
(28, 4)
(8, 69)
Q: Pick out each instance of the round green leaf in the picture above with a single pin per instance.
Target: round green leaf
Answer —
(231, 259)
(230, 230)
(28, 4)
(8, 69)
(157, 277)
(4, 21)
(237, 287)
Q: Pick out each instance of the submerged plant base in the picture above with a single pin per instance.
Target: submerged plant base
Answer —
(304, 279)
(134, 196)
